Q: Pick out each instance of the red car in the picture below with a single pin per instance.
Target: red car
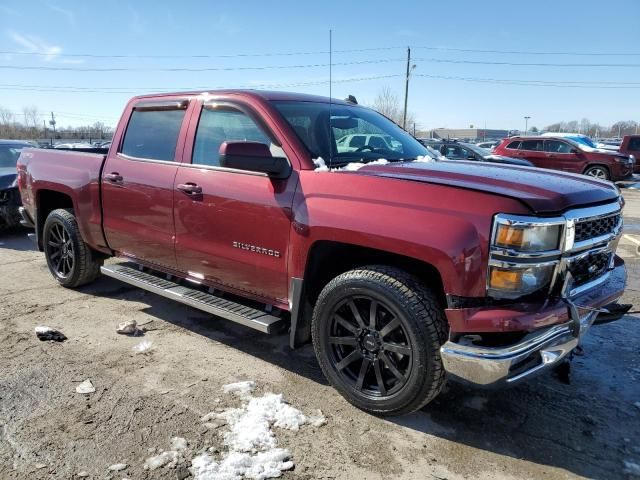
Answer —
(631, 146)
(403, 272)
(565, 154)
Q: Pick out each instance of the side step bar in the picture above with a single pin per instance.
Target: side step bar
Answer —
(207, 302)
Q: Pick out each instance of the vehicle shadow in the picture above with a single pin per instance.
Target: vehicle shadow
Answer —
(575, 427)
(16, 239)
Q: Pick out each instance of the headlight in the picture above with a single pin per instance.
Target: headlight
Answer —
(516, 281)
(523, 254)
(526, 238)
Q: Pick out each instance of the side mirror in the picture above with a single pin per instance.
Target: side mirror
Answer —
(254, 157)
(471, 156)
(574, 150)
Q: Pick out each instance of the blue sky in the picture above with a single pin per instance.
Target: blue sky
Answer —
(59, 30)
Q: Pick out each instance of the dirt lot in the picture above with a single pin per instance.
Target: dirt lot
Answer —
(544, 429)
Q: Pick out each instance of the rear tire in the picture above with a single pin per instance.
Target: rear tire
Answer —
(377, 333)
(70, 260)
(598, 171)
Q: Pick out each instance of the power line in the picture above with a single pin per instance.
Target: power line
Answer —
(231, 55)
(528, 52)
(321, 52)
(516, 64)
(195, 69)
(135, 90)
(538, 83)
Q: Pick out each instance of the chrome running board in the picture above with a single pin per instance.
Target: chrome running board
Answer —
(236, 312)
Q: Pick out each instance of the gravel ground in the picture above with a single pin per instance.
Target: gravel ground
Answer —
(543, 429)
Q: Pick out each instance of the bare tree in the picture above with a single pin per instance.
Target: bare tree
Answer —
(388, 104)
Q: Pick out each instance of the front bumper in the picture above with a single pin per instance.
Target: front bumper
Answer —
(539, 350)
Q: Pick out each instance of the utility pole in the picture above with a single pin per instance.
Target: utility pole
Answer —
(526, 125)
(406, 89)
(52, 122)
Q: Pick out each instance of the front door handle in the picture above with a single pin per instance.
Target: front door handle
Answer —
(114, 177)
(190, 188)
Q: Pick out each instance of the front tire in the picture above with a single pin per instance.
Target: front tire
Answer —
(598, 171)
(70, 260)
(377, 333)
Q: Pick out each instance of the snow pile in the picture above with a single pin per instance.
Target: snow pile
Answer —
(170, 458)
(250, 438)
(320, 164)
(143, 347)
(269, 464)
(353, 166)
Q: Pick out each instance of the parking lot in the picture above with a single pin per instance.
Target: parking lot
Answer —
(544, 429)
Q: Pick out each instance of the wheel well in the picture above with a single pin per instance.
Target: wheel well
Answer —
(591, 165)
(46, 202)
(328, 259)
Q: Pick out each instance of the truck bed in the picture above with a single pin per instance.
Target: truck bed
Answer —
(75, 175)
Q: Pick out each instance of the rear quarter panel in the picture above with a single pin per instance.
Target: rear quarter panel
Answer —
(74, 174)
(446, 227)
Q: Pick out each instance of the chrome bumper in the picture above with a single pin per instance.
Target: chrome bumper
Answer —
(538, 351)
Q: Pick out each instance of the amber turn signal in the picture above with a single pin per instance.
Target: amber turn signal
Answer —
(504, 279)
(507, 236)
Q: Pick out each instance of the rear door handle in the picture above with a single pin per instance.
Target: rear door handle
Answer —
(190, 188)
(114, 177)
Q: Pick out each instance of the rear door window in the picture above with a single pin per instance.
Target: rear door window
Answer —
(532, 145)
(153, 134)
(556, 146)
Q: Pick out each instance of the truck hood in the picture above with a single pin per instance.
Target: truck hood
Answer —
(543, 191)
(7, 176)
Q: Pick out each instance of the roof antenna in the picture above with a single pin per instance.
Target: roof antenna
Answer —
(330, 101)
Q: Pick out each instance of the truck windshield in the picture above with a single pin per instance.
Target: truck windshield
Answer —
(357, 134)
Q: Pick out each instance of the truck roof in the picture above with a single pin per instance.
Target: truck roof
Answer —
(264, 94)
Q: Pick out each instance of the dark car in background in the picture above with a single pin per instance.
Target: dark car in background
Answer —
(454, 150)
(9, 195)
(565, 154)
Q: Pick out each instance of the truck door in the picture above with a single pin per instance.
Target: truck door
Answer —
(232, 227)
(137, 182)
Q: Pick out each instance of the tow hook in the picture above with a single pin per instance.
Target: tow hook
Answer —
(615, 311)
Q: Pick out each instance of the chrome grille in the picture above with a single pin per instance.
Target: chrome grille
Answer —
(596, 227)
(588, 267)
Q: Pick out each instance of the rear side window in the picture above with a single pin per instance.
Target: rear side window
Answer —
(533, 145)
(514, 145)
(556, 146)
(153, 134)
(634, 144)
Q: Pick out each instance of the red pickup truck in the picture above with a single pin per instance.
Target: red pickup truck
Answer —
(402, 273)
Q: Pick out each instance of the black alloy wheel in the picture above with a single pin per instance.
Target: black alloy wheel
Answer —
(369, 346)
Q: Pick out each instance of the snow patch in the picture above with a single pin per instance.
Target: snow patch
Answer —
(240, 389)
(632, 468)
(320, 164)
(118, 467)
(170, 458)
(269, 464)
(143, 347)
(250, 438)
